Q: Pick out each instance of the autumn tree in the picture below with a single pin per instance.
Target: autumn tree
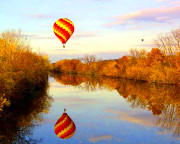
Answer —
(68, 65)
(88, 59)
(169, 44)
(138, 53)
(155, 56)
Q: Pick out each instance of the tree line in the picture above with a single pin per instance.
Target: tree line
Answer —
(161, 64)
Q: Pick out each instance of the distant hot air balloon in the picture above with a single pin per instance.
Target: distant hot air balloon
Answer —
(142, 40)
(64, 127)
(63, 29)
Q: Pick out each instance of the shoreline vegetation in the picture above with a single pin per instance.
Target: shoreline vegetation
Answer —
(22, 72)
(160, 65)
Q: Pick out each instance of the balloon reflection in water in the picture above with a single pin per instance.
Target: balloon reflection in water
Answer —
(64, 127)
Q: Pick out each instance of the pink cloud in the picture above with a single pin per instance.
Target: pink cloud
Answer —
(36, 36)
(103, 0)
(160, 0)
(158, 15)
(174, 2)
(144, 119)
(146, 45)
(84, 35)
(100, 138)
(41, 16)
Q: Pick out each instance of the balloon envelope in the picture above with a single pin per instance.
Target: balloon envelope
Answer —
(63, 28)
(64, 127)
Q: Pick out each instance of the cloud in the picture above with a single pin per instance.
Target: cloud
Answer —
(150, 45)
(157, 15)
(178, 138)
(163, 132)
(100, 138)
(160, 0)
(75, 36)
(76, 101)
(84, 35)
(174, 2)
(41, 16)
(103, 0)
(35, 36)
(141, 119)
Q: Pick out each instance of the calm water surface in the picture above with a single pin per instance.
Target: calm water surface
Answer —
(109, 111)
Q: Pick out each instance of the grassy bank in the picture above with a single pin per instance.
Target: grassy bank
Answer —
(21, 70)
(160, 65)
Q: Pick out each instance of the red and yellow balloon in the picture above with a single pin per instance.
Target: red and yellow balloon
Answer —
(63, 29)
(64, 127)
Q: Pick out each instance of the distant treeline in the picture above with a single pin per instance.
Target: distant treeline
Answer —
(161, 64)
(21, 70)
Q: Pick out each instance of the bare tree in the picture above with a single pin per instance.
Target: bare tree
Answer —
(88, 59)
(169, 43)
(138, 53)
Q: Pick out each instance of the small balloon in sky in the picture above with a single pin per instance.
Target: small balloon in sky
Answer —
(63, 28)
(64, 127)
(142, 39)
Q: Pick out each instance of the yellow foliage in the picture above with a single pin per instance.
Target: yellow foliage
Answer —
(19, 66)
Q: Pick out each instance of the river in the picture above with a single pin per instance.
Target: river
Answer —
(104, 110)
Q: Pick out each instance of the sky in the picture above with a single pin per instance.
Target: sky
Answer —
(107, 29)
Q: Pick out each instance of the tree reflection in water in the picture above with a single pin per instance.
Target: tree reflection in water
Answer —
(18, 120)
(162, 100)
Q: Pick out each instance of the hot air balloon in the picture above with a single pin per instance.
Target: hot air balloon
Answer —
(142, 39)
(63, 28)
(64, 127)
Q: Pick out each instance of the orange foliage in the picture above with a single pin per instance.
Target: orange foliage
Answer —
(21, 70)
(124, 59)
(68, 65)
(155, 56)
(152, 67)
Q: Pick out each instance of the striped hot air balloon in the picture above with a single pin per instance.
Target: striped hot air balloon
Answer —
(64, 127)
(63, 29)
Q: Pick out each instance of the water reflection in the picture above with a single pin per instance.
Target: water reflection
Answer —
(162, 100)
(64, 127)
(18, 120)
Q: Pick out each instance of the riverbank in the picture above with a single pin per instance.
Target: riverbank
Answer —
(153, 70)
(21, 70)
(159, 65)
